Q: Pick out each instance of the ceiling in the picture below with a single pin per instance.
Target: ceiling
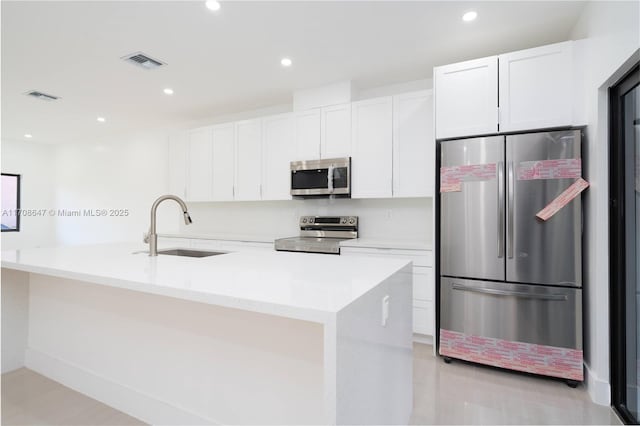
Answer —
(226, 62)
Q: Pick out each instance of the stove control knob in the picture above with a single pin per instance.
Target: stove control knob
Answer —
(344, 220)
(304, 220)
(352, 221)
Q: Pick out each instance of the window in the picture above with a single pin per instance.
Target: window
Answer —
(10, 202)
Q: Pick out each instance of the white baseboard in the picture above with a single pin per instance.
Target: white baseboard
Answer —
(423, 338)
(130, 401)
(599, 390)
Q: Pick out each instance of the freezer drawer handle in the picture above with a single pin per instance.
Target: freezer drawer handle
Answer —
(496, 292)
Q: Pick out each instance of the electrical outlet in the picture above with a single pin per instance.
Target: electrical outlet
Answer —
(385, 310)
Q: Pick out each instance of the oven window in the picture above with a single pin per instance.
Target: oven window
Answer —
(309, 179)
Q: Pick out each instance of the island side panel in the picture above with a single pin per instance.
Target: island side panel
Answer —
(375, 362)
(166, 360)
(15, 317)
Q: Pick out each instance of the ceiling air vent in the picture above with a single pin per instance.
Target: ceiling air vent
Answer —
(142, 60)
(42, 96)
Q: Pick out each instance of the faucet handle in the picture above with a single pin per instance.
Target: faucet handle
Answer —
(145, 237)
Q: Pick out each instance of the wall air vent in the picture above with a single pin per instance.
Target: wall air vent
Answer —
(42, 96)
(142, 60)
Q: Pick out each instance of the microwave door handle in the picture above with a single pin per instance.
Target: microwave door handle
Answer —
(330, 178)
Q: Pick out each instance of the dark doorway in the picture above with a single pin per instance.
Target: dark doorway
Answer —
(624, 245)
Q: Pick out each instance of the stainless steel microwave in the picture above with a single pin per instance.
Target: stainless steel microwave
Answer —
(318, 178)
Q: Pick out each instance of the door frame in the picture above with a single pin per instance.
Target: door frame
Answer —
(617, 242)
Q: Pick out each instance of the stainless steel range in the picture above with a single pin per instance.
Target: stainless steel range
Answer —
(320, 234)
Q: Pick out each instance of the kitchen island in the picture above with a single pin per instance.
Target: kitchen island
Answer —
(237, 338)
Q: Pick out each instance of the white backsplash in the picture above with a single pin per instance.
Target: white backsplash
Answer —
(405, 218)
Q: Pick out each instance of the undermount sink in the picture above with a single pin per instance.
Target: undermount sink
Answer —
(190, 253)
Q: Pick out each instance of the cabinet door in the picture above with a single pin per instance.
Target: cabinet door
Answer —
(423, 317)
(423, 284)
(466, 98)
(200, 167)
(248, 159)
(536, 88)
(372, 148)
(178, 156)
(307, 135)
(335, 135)
(223, 162)
(278, 150)
(413, 145)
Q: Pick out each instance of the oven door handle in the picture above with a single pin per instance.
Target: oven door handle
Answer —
(330, 178)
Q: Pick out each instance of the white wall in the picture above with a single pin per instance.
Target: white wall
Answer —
(394, 89)
(611, 33)
(125, 174)
(35, 162)
(403, 218)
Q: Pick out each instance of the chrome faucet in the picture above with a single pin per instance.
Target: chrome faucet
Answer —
(152, 237)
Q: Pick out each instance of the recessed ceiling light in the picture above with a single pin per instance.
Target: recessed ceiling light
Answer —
(213, 5)
(470, 16)
(286, 62)
(101, 119)
(168, 91)
(28, 135)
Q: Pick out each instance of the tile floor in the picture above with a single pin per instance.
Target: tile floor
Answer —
(456, 393)
(465, 393)
(31, 399)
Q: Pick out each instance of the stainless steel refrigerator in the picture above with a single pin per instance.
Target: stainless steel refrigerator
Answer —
(511, 283)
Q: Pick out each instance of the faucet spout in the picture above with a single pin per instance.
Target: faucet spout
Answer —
(153, 236)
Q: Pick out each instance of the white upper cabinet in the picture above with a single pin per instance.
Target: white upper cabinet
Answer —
(248, 160)
(278, 150)
(413, 144)
(199, 176)
(372, 143)
(335, 131)
(223, 143)
(466, 98)
(536, 88)
(307, 134)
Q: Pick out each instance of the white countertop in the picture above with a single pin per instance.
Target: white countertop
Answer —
(224, 237)
(400, 244)
(305, 286)
(384, 243)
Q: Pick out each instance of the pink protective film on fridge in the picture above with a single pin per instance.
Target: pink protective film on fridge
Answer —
(451, 178)
(563, 199)
(550, 169)
(531, 358)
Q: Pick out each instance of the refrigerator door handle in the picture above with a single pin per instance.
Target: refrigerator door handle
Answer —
(510, 185)
(497, 292)
(500, 209)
